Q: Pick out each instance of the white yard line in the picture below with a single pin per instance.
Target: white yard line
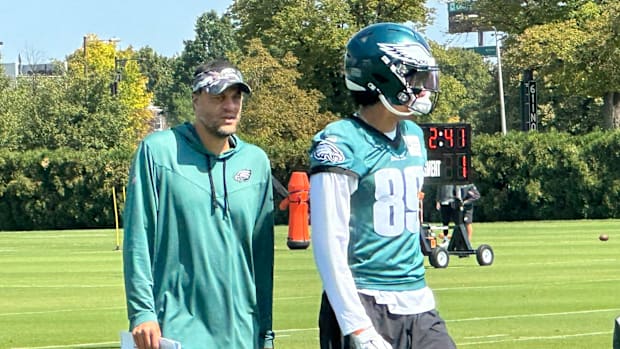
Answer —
(60, 311)
(517, 316)
(286, 333)
(81, 345)
(61, 286)
(468, 341)
(540, 284)
(537, 338)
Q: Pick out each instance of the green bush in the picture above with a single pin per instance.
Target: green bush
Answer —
(61, 189)
(521, 176)
(551, 175)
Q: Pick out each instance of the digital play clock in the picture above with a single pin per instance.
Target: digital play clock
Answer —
(448, 147)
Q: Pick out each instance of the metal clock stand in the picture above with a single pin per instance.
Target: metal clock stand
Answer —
(459, 245)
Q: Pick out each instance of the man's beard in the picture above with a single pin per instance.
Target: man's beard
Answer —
(223, 132)
(219, 131)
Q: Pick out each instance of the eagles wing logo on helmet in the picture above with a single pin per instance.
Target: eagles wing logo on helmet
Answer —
(412, 53)
(327, 151)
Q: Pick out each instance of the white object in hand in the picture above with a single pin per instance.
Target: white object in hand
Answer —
(369, 339)
(164, 343)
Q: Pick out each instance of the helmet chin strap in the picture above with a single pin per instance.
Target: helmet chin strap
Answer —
(389, 107)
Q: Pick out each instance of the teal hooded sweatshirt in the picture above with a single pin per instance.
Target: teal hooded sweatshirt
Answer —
(198, 241)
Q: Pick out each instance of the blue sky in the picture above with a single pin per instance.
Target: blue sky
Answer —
(41, 30)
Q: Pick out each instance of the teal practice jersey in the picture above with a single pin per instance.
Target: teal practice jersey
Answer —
(384, 247)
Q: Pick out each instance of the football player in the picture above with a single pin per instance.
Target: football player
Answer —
(367, 171)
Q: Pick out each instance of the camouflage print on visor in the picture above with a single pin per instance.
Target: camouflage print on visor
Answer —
(215, 82)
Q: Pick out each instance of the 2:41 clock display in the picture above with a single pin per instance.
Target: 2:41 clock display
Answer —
(448, 148)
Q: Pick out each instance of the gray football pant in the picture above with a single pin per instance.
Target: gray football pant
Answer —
(418, 331)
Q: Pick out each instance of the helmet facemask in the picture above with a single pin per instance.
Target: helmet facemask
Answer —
(420, 87)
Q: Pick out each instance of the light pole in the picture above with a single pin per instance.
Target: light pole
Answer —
(502, 108)
(1, 43)
(119, 66)
(85, 41)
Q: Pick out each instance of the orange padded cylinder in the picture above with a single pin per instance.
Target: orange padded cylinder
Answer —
(298, 204)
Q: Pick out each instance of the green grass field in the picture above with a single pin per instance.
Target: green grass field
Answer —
(553, 285)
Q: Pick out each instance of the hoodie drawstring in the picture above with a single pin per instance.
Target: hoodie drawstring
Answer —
(212, 185)
(213, 199)
(225, 189)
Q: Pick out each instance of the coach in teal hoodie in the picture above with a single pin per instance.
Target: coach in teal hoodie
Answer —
(198, 221)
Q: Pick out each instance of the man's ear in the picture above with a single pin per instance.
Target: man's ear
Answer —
(194, 100)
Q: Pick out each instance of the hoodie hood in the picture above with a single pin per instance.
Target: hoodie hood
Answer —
(189, 133)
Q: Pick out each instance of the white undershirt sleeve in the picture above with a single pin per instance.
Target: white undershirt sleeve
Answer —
(330, 195)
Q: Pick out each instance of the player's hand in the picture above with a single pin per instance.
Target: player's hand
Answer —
(369, 339)
(146, 335)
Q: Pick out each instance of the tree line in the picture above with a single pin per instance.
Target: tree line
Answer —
(291, 52)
